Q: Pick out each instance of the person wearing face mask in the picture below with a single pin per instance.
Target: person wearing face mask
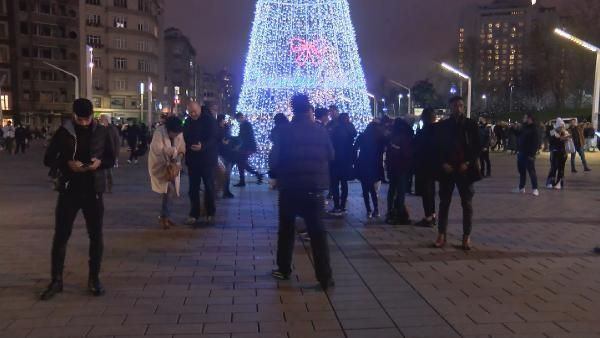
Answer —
(82, 151)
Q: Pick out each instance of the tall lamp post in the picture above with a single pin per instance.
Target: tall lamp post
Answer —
(1, 101)
(484, 98)
(374, 104)
(466, 77)
(141, 102)
(588, 46)
(77, 94)
(410, 111)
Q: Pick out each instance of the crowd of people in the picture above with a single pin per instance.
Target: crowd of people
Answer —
(313, 158)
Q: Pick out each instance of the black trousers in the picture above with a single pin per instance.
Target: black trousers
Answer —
(426, 188)
(243, 165)
(21, 146)
(133, 155)
(337, 182)
(308, 205)
(557, 168)
(485, 163)
(466, 192)
(369, 194)
(526, 165)
(396, 197)
(197, 175)
(92, 207)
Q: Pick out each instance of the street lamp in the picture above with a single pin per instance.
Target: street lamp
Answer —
(409, 98)
(89, 51)
(77, 95)
(484, 98)
(374, 104)
(592, 48)
(466, 77)
(141, 101)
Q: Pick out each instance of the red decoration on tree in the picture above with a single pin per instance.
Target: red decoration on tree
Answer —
(306, 52)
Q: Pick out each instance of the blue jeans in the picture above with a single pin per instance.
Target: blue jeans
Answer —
(526, 165)
(581, 152)
(167, 201)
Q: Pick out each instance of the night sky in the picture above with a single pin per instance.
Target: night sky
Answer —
(398, 39)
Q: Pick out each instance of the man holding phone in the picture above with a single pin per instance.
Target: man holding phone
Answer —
(81, 151)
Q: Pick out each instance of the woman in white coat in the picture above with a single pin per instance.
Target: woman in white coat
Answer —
(167, 148)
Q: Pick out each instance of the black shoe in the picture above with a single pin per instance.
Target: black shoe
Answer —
(587, 169)
(240, 185)
(327, 284)
(228, 195)
(277, 274)
(95, 287)
(424, 223)
(55, 287)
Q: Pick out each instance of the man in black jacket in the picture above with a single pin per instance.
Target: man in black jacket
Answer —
(458, 150)
(200, 134)
(81, 151)
(247, 146)
(529, 144)
(301, 160)
(485, 137)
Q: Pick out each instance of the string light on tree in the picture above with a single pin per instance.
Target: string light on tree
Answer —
(301, 46)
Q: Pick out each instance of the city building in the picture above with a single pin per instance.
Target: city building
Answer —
(6, 66)
(42, 33)
(492, 46)
(227, 97)
(181, 75)
(128, 56)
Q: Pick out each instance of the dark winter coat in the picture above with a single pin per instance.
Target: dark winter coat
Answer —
(133, 135)
(342, 138)
(424, 148)
(115, 140)
(458, 142)
(201, 131)
(529, 139)
(301, 157)
(370, 147)
(20, 135)
(399, 153)
(247, 139)
(485, 137)
(63, 147)
(225, 143)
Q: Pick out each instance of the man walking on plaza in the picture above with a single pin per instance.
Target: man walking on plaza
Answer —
(301, 162)
(528, 146)
(8, 132)
(200, 135)
(247, 146)
(115, 142)
(81, 150)
(579, 141)
(424, 144)
(20, 139)
(458, 150)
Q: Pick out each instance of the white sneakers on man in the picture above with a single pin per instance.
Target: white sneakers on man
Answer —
(535, 192)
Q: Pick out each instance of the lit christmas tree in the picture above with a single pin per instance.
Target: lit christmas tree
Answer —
(301, 46)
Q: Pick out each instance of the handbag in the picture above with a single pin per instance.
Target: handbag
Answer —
(570, 146)
(172, 169)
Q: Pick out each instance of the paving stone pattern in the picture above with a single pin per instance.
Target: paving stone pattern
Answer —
(532, 273)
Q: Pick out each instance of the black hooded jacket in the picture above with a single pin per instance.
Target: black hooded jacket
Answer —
(63, 148)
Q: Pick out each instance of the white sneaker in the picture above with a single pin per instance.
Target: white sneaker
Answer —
(557, 187)
(549, 186)
(536, 192)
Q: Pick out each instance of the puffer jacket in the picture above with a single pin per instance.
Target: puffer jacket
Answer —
(62, 149)
(301, 157)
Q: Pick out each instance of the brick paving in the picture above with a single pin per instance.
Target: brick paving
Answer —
(532, 273)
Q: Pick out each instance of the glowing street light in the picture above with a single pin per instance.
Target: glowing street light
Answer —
(466, 77)
(594, 49)
(400, 97)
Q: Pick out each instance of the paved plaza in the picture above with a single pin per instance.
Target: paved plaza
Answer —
(532, 272)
